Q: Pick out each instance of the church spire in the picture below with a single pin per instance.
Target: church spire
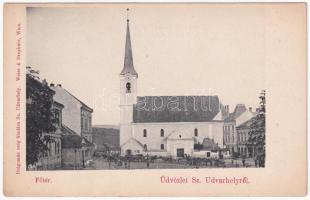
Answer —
(128, 61)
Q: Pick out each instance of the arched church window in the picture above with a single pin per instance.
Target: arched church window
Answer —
(144, 133)
(196, 132)
(145, 147)
(162, 133)
(128, 87)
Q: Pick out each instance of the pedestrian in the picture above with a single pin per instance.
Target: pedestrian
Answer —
(109, 161)
(147, 163)
(243, 160)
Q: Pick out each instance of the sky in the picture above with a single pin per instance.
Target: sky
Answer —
(177, 50)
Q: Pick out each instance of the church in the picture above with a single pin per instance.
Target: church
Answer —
(165, 125)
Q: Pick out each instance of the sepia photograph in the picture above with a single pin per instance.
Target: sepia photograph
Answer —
(155, 99)
(101, 96)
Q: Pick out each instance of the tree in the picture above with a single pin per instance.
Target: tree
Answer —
(258, 129)
(39, 116)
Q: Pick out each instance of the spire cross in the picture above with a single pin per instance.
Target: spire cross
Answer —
(127, 14)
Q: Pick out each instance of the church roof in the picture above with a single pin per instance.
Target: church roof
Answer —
(150, 109)
(128, 61)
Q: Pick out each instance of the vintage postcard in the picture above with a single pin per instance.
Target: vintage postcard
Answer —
(155, 99)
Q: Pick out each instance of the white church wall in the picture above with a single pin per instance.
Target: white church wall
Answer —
(213, 130)
(125, 133)
(186, 144)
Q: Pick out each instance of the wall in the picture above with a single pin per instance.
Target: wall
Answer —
(71, 112)
(133, 146)
(230, 135)
(70, 158)
(86, 128)
(154, 140)
(107, 136)
(51, 159)
(186, 144)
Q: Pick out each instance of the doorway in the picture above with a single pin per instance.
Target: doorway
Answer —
(128, 152)
(180, 152)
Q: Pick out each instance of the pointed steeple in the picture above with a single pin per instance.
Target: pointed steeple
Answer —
(128, 61)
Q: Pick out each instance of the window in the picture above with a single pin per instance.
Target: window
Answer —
(144, 133)
(55, 148)
(57, 118)
(196, 132)
(128, 88)
(89, 122)
(145, 147)
(162, 146)
(86, 124)
(162, 133)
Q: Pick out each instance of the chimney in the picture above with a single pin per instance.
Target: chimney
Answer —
(52, 85)
(59, 85)
(250, 109)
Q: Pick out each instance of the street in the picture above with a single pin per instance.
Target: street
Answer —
(100, 163)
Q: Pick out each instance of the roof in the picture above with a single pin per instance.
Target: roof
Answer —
(209, 144)
(245, 124)
(81, 102)
(57, 104)
(128, 61)
(132, 140)
(85, 142)
(67, 131)
(107, 136)
(71, 141)
(150, 109)
(239, 110)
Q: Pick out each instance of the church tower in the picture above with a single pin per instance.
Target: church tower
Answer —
(128, 90)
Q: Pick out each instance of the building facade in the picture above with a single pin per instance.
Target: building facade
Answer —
(51, 159)
(76, 115)
(76, 120)
(240, 115)
(164, 125)
(245, 148)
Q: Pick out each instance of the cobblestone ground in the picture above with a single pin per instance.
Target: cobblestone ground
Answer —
(100, 163)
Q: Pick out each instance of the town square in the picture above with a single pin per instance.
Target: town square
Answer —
(151, 131)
